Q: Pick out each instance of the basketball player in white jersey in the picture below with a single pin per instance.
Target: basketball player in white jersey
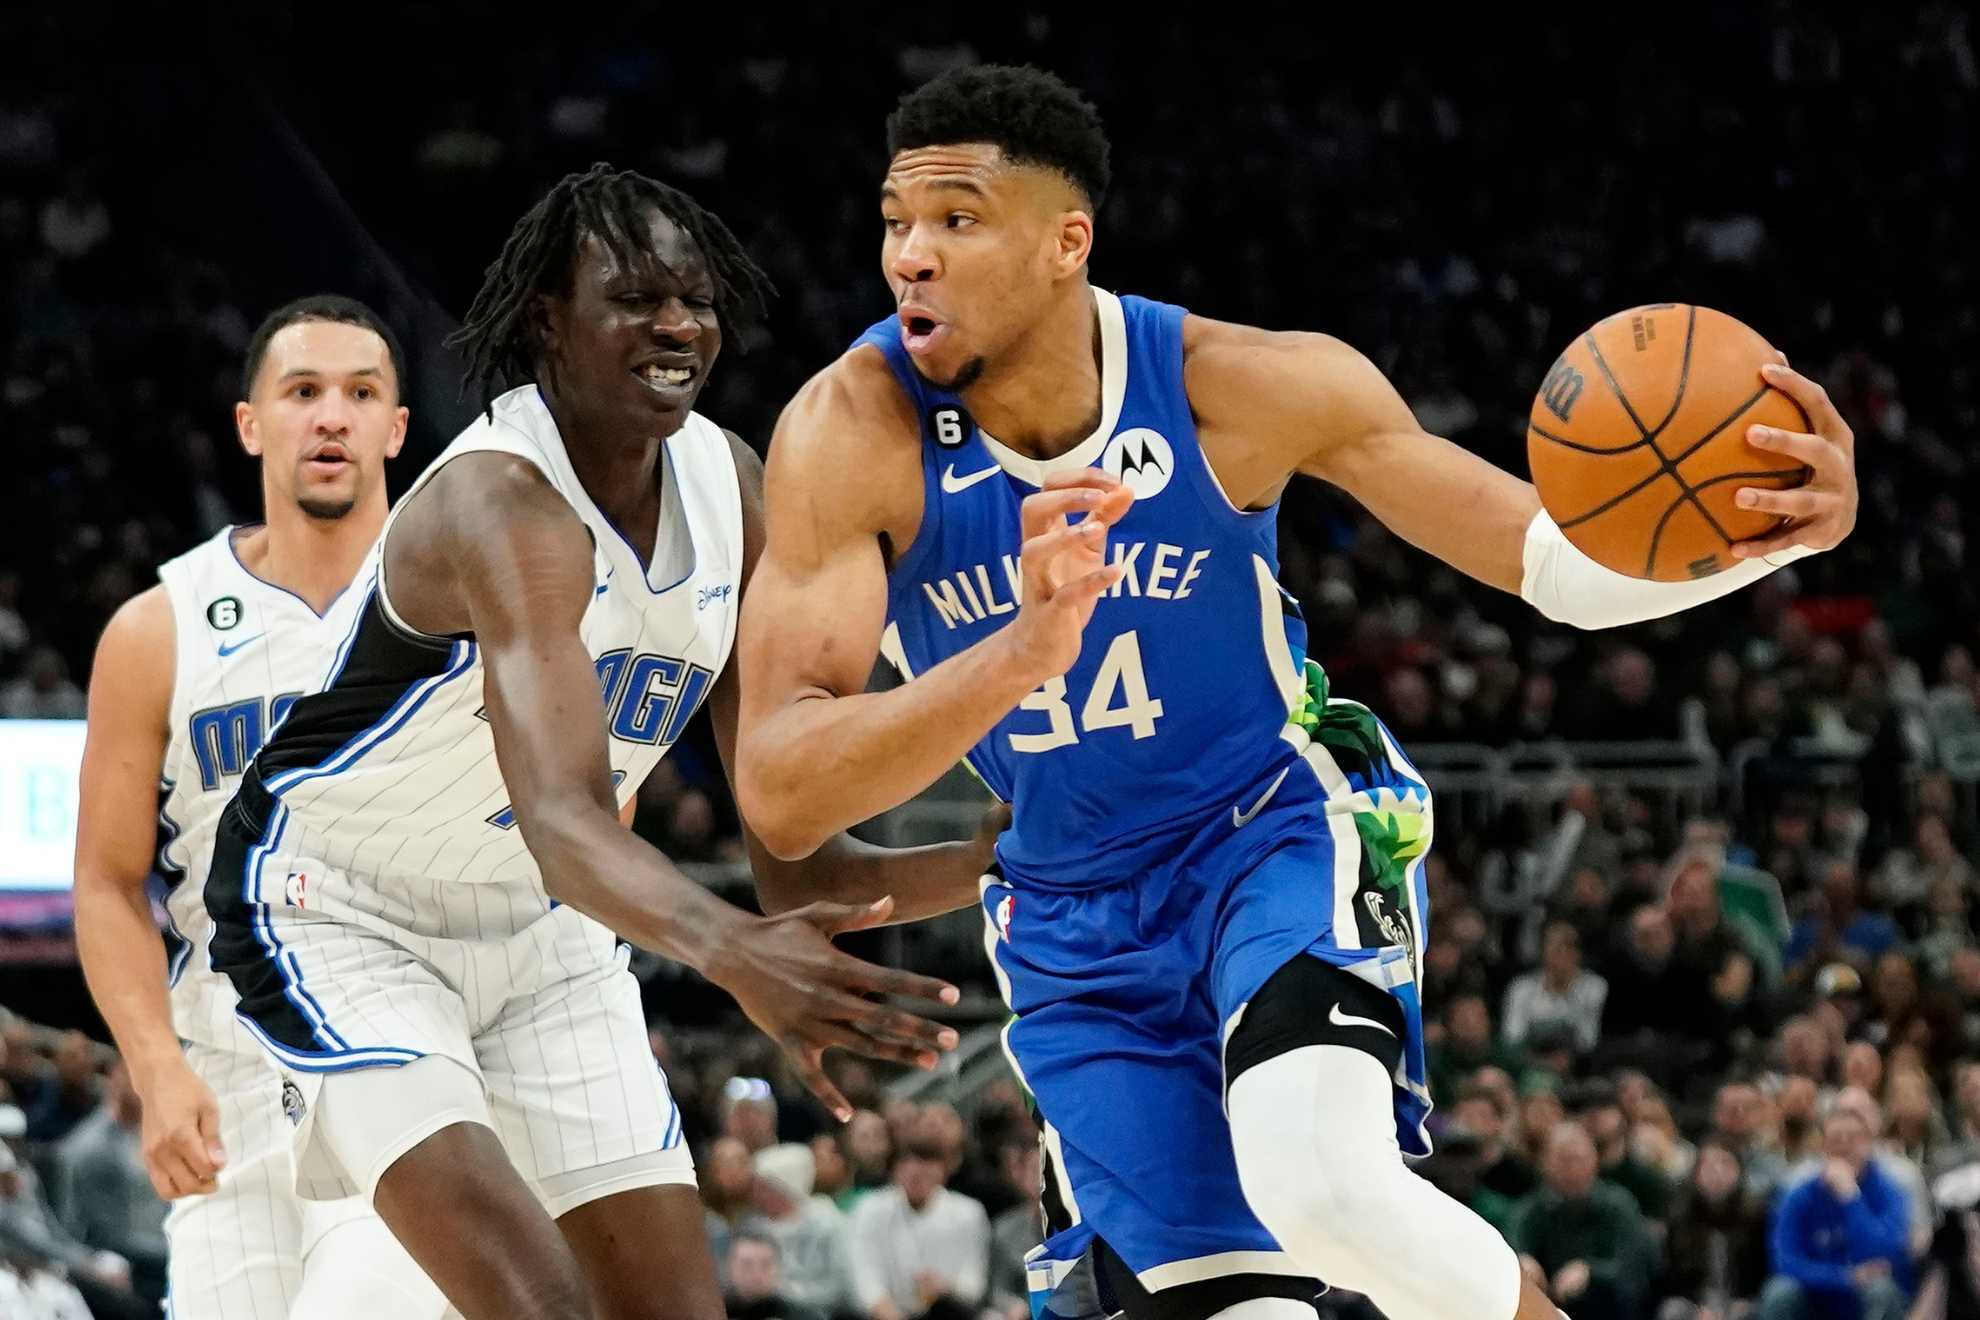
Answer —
(190, 677)
(418, 883)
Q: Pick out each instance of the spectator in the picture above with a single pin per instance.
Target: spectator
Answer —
(1839, 1238)
(919, 1249)
(1624, 701)
(813, 1249)
(29, 1230)
(1736, 1121)
(1540, 1112)
(43, 691)
(29, 1291)
(1589, 905)
(870, 1152)
(64, 1090)
(1466, 1045)
(1837, 925)
(1561, 991)
(1801, 1049)
(1658, 1144)
(105, 1195)
(749, 1113)
(1797, 1109)
(832, 1174)
(1717, 1249)
(1594, 1105)
(754, 1266)
(1839, 993)
(1905, 880)
(1898, 1169)
(1964, 1147)
(1649, 1000)
(1944, 927)
(1915, 1129)
(1705, 938)
(1952, 1284)
(1581, 1239)
(728, 1188)
(1863, 1067)
(1504, 1177)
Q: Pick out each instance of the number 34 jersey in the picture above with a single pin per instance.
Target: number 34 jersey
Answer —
(1190, 665)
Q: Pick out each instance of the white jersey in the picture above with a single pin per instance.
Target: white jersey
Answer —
(390, 772)
(244, 651)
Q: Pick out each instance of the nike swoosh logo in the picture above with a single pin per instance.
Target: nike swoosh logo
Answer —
(226, 650)
(1240, 819)
(1340, 1019)
(952, 484)
(601, 588)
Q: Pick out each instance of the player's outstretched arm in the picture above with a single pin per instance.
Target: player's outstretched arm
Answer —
(130, 703)
(817, 752)
(923, 882)
(489, 547)
(1310, 404)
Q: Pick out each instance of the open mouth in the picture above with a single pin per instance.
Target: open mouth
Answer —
(919, 330)
(667, 378)
(327, 459)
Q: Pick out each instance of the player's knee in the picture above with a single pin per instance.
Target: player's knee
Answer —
(1342, 1213)
(1332, 1204)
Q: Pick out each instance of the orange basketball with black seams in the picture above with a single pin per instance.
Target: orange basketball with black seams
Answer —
(1638, 440)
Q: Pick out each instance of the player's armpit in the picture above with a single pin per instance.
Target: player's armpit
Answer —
(1270, 404)
(489, 547)
(923, 882)
(815, 751)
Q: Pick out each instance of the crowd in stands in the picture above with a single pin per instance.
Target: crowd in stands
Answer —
(1695, 1065)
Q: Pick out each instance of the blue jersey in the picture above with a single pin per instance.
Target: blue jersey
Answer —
(1190, 666)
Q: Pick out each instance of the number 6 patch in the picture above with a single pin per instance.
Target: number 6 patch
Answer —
(951, 427)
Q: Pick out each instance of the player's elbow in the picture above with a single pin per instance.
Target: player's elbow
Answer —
(785, 833)
(774, 811)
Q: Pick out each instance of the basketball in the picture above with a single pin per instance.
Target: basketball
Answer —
(1638, 440)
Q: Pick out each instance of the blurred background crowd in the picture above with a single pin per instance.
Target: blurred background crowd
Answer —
(1703, 970)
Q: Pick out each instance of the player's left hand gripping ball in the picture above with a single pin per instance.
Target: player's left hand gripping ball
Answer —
(1822, 510)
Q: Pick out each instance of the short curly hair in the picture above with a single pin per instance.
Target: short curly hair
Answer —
(1032, 116)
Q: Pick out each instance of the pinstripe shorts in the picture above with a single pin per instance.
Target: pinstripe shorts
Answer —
(338, 972)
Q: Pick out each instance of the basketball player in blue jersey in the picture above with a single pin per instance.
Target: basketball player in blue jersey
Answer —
(1052, 509)
(419, 889)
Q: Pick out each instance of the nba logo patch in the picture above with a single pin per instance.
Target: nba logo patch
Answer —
(292, 1102)
(1005, 905)
(296, 889)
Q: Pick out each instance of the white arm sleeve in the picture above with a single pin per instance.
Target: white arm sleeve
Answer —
(1569, 587)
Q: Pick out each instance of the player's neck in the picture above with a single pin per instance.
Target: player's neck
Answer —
(619, 474)
(315, 558)
(1045, 397)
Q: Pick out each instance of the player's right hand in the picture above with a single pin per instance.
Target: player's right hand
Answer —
(1064, 565)
(181, 1135)
(807, 994)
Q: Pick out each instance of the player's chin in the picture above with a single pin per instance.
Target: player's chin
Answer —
(669, 407)
(336, 488)
(952, 372)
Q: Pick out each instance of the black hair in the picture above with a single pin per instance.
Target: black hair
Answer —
(321, 307)
(605, 204)
(1030, 115)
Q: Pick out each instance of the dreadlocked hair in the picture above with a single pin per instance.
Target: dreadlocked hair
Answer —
(537, 258)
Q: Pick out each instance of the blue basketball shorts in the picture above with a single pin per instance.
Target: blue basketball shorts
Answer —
(1125, 994)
